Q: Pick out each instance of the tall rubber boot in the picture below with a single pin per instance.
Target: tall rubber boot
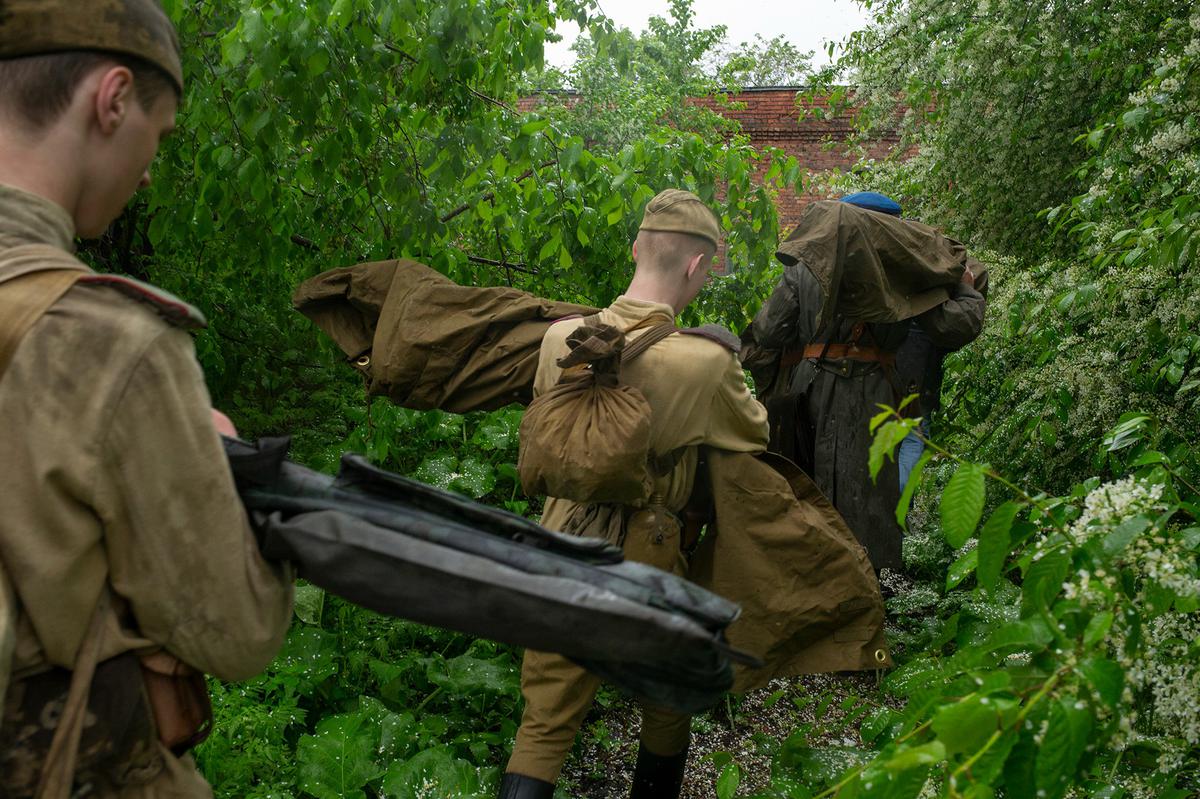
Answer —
(656, 776)
(518, 786)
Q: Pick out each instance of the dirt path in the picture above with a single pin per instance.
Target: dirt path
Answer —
(824, 707)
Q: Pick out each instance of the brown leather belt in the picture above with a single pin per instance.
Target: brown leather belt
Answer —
(838, 352)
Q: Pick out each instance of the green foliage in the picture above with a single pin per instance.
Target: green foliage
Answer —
(357, 704)
(1081, 684)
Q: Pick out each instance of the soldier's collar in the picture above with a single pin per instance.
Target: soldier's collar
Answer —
(26, 218)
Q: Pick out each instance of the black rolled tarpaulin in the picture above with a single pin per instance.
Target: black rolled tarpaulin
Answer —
(409, 550)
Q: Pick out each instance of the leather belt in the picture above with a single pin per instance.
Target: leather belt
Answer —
(839, 352)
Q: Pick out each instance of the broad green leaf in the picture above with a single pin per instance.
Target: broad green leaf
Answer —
(927, 754)
(962, 568)
(475, 477)
(534, 126)
(1124, 534)
(887, 438)
(550, 247)
(1106, 678)
(1044, 580)
(468, 675)
(962, 504)
(1097, 628)
(994, 543)
(728, 781)
(308, 603)
(1026, 635)
(965, 726)
(434, 772)
(339, 759)
(1068, 727)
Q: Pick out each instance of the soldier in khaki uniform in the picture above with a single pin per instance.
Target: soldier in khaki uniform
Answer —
(120, 527)
(698, 396)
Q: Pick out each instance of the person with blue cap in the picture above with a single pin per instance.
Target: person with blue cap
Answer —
(868, 306)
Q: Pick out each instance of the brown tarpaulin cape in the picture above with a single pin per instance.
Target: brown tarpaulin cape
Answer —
(872, 266)
(426, 342)
(810, 600)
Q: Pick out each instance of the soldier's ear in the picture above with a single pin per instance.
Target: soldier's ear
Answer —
(114, 98)
(694, 264)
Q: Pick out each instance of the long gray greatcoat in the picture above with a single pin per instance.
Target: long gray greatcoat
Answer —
(841, 396)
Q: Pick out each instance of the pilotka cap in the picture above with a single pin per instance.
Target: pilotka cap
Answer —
(679, 211)
(128, 27)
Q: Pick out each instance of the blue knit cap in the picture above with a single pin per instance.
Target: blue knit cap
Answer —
(873, 201)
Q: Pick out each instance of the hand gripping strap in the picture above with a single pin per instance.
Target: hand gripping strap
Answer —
(23, 300)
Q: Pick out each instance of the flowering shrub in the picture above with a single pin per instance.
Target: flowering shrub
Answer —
(1069, 667)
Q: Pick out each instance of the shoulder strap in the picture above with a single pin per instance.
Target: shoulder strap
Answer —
(58, 772)
(654, 334)
(23, 300)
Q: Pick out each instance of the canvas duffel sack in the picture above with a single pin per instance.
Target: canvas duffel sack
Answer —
(587, 439)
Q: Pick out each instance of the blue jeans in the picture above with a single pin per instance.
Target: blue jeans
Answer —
(910, 452)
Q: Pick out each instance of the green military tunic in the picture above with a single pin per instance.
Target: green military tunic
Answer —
(116, 482)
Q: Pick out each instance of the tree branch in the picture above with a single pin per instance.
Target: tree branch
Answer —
(462, 209)
(522, 268)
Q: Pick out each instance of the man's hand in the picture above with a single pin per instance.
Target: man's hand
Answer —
(223, 424)
(968, 277)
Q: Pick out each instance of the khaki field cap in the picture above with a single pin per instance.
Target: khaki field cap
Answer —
(679, 211)
(128, 27)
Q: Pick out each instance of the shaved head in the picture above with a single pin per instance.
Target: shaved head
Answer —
(664, 252)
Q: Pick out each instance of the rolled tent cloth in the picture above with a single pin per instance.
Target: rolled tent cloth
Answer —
(870, 265)
(426, 342)
(416, 552)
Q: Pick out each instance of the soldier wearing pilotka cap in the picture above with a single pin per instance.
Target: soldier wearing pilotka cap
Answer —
(127, 566)
(698, 397)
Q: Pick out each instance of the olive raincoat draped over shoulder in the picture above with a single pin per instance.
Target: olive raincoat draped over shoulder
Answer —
(854, 276)
(810, 600)
(426, 342)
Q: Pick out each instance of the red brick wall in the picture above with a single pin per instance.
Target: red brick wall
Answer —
(770, 117)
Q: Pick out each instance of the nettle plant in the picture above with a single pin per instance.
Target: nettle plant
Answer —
(1089, 683)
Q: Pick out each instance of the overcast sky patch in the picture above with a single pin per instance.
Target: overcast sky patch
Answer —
(808, 24)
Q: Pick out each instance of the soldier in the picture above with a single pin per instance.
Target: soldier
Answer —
(121, 531)
(698, 396)
(844, 372)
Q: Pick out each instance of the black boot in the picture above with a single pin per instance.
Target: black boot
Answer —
(656, 776)
(518, 786)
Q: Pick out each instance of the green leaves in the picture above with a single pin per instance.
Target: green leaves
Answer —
(339, 759)
(436, 772)
(1106, 678)
(889, 432)
(964, 727)
(962, 504)
(994, 543)
(1067, 729)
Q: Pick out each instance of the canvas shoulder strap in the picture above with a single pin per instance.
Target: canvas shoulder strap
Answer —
(23, 300)
(657, 327)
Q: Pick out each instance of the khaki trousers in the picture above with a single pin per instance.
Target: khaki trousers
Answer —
(558, 693)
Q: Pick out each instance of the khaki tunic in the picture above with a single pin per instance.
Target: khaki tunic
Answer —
(697, 395)
(115, 480)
